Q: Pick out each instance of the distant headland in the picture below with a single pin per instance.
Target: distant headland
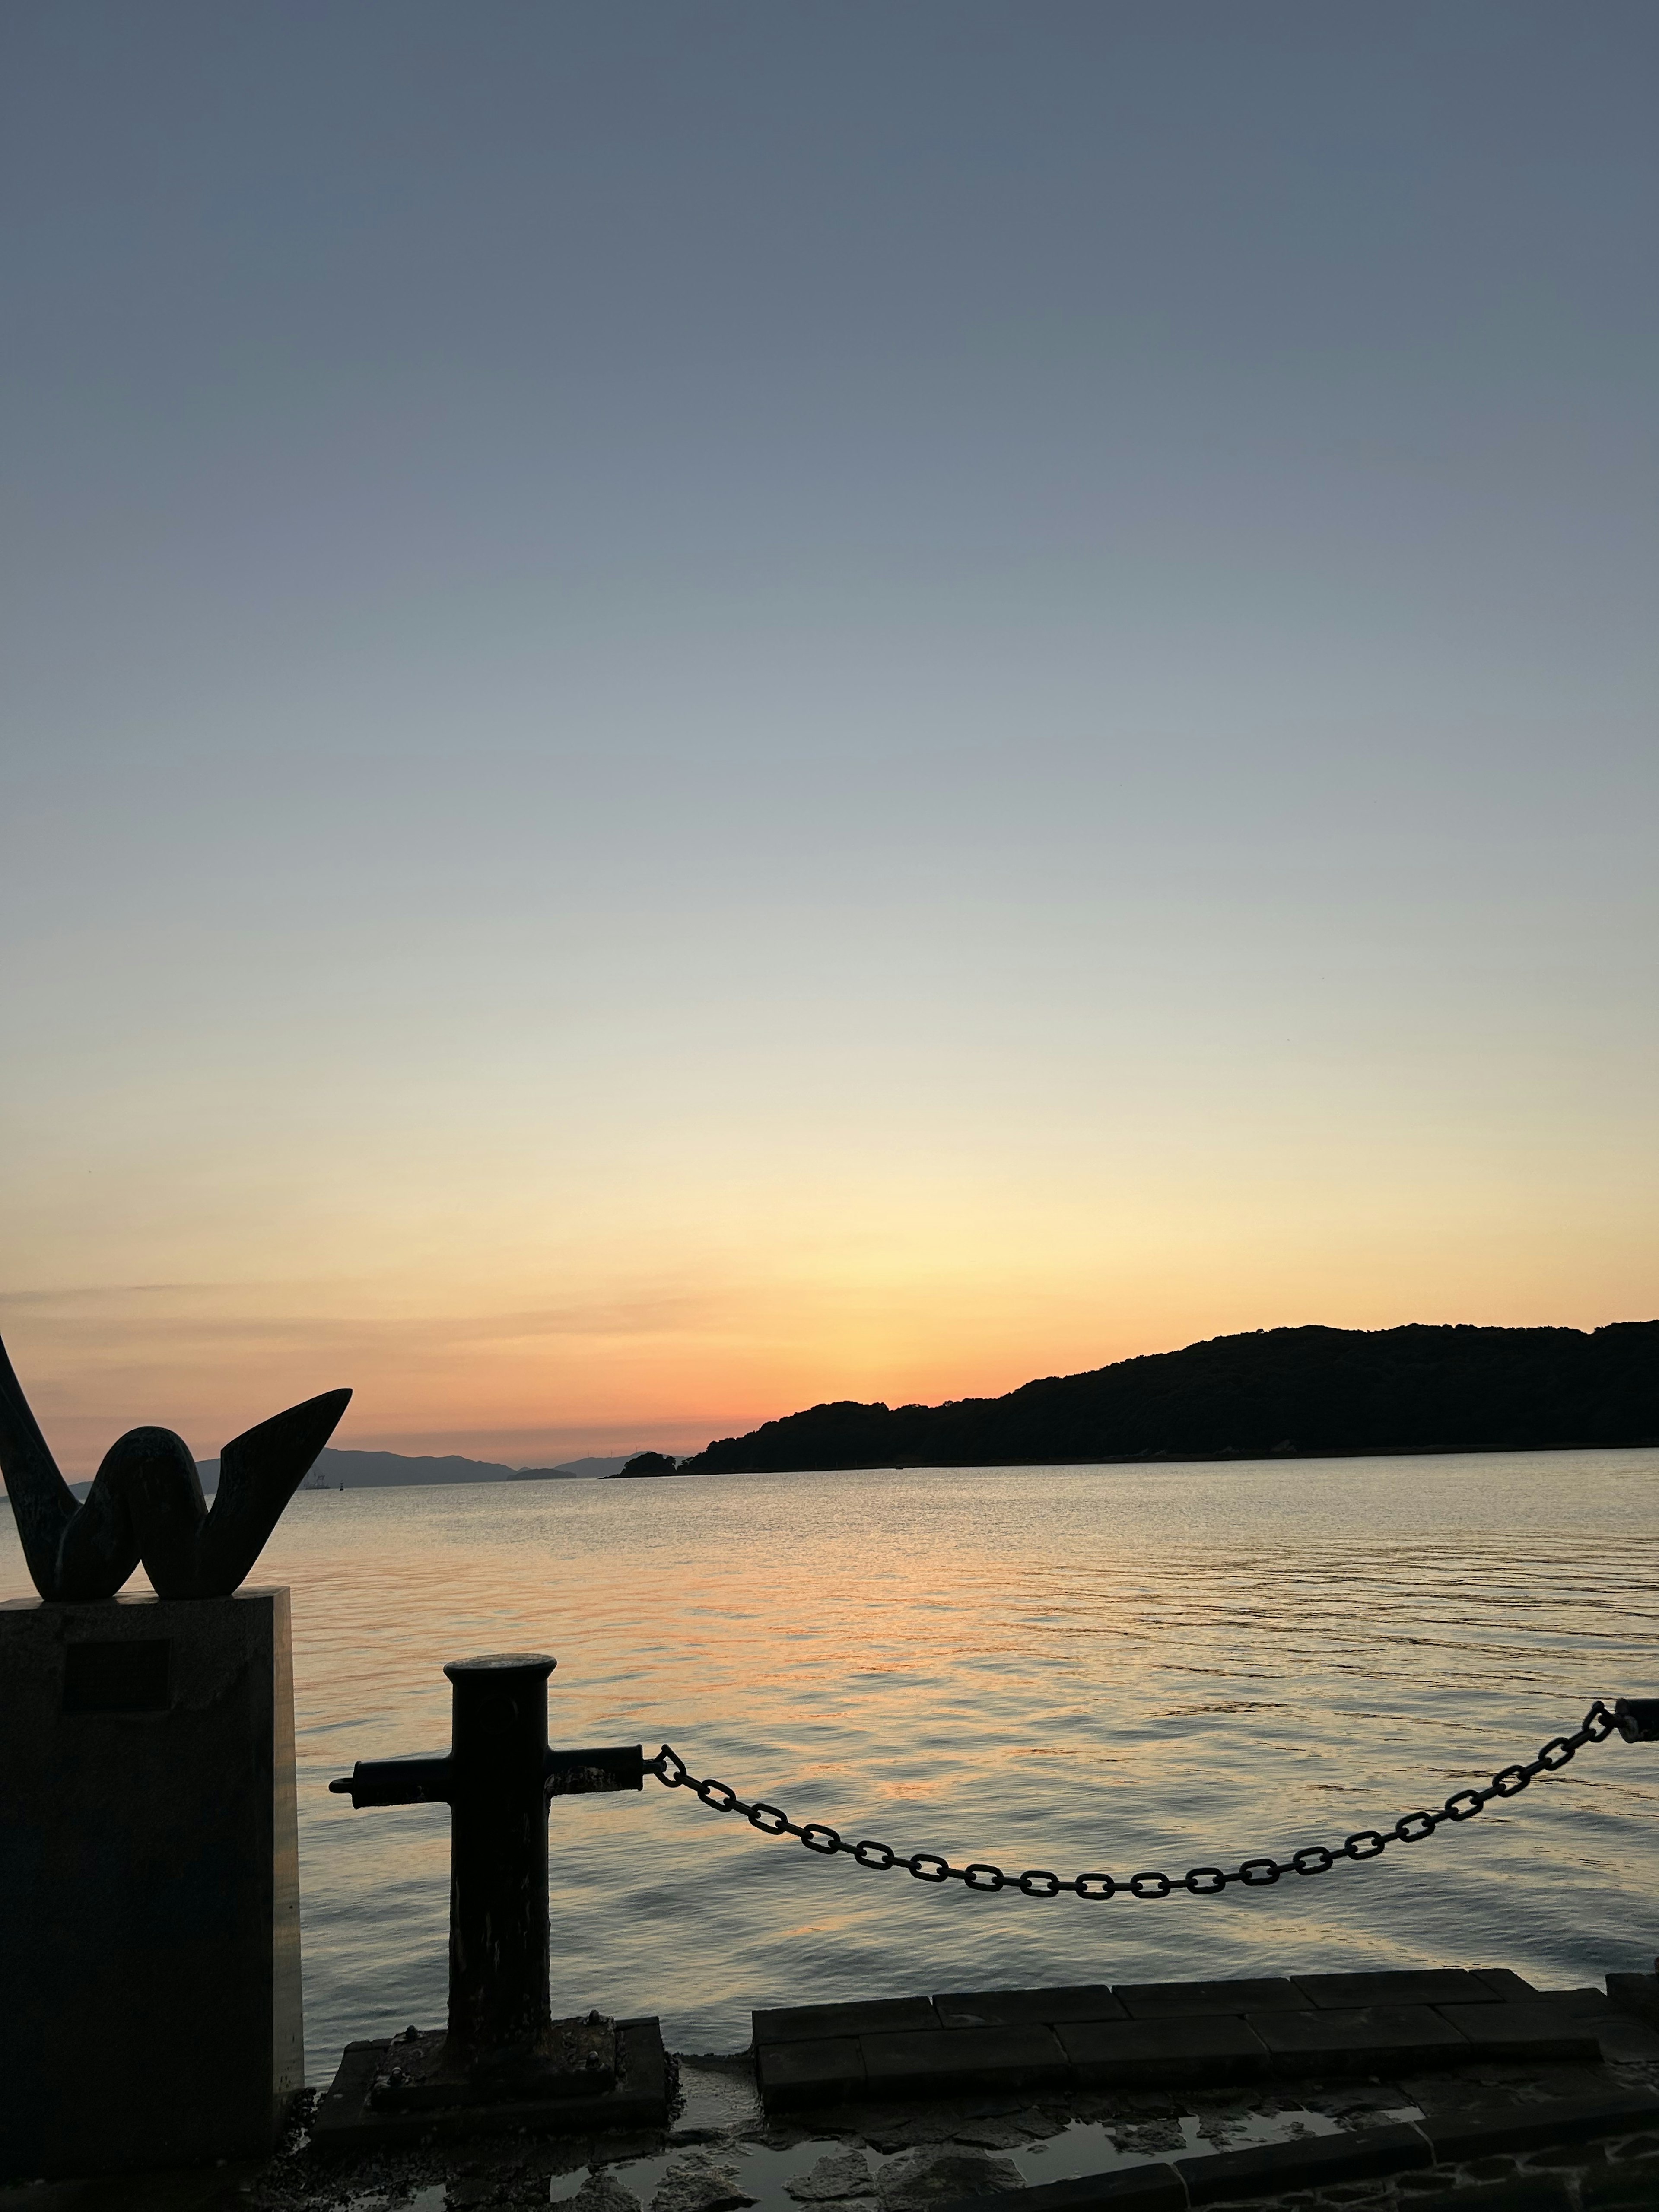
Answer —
(378, 1470)
(1289, 1391)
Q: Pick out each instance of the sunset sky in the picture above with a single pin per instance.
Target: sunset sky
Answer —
(711, 706)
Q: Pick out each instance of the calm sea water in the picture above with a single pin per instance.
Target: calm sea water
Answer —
(1111, 1668)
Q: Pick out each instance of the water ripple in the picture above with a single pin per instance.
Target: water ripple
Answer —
(1107, 1667)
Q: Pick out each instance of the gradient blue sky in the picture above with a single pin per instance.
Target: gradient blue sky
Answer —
(710, 706)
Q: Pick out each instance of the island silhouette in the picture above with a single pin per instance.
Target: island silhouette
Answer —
(1309, 1391)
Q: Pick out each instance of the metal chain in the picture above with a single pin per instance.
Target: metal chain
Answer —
(1599, 1724)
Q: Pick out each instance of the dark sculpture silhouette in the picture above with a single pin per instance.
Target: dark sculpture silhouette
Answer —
(146, 1501)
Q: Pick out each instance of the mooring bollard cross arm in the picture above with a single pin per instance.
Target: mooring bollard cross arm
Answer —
(580, 1773)
(431, 1781)
(397, 1781)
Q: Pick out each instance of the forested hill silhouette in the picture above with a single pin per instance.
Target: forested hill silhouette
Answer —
(1303, 1390)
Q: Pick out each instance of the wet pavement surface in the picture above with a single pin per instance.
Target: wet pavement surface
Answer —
(722, 2154)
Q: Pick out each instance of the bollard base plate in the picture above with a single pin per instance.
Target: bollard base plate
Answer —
(364, 2109)
(573, 2058)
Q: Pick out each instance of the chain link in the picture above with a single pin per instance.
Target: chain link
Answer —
(1599, 1724)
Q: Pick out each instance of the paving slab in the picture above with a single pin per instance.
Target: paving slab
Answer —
(827, 2071)
(1505, 1982)
(932, 2174)
(1110, 2054)
(1536, 2030)
(1370, 2039)
(1152, 2188)
(1527, 2192)
(1630, 2042)
(1457, 2136)
(1201, 2000)
(1411, 1986)
(957, 2061)
(840, 2174)
(1316, 2162)
(1622, 2035)
(811, 2023)
(1632, 2186)
(1012, 2007)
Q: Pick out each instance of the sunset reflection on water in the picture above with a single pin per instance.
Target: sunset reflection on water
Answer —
(1115, 1668)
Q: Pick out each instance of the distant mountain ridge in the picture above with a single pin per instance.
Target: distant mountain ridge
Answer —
(1306, 1391)
(381, 1470)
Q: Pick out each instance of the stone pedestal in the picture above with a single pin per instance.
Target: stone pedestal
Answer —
(380, 2097)
(150, 1907)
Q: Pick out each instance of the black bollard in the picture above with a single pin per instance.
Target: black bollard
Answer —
(498, 1925)
(496, 1779)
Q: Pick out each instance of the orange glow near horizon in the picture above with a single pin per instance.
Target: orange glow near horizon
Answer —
(591, 1353)
(525, 1268)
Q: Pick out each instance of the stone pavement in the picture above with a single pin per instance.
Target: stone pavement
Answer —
(1200, 2034)
(1575, 2134)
